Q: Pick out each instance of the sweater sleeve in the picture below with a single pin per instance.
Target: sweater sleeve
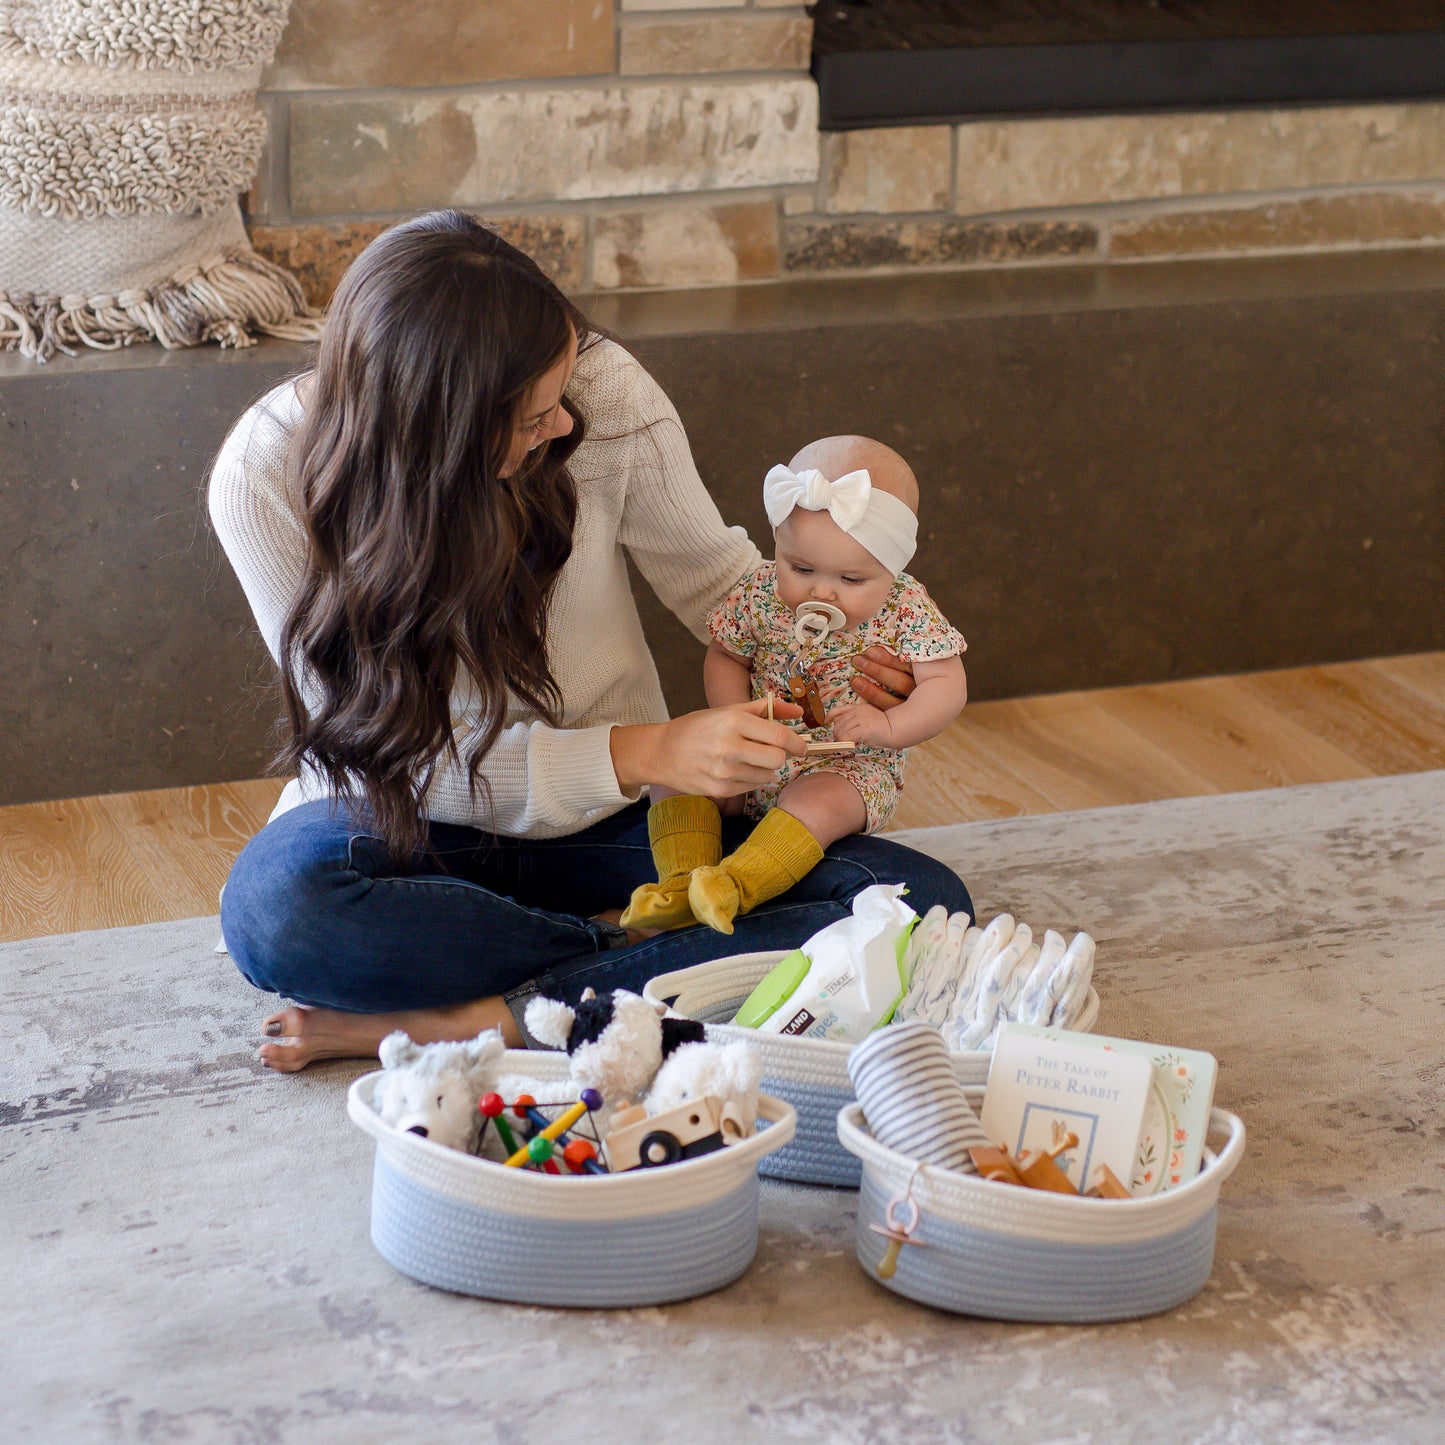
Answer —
(538, 781)
(263, 538)
(670, 523)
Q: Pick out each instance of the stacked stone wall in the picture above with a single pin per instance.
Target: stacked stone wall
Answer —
(633, 144)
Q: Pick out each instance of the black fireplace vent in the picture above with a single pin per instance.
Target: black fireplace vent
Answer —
(918, 62)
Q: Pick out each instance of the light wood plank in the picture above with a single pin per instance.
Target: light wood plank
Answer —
(68, 866)
(1077, 754)
(950, 781)
(142, 857)
(1422, 672)
(185, 839)
(1228, 737)
(1383, 726)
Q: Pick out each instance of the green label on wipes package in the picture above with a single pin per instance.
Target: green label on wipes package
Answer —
(774, 991)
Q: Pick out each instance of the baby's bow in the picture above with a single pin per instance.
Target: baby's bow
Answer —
(845, 500)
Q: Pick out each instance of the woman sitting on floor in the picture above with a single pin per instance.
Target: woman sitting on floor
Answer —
(431, 529)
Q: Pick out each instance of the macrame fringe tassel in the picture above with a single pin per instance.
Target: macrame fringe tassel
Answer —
(227, 299)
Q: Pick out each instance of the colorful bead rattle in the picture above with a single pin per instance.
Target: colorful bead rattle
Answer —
(525, 1108)
(540, 1148)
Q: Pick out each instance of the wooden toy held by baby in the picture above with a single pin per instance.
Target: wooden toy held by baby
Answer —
(815, 621)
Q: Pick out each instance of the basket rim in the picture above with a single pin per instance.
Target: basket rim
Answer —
(950, 1194)
(837, 1050)
(524, 1187)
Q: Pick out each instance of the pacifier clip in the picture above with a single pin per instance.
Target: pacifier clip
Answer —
(815, 621)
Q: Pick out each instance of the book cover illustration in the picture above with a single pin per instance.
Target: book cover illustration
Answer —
(1176, 1118)
(1042, 1088)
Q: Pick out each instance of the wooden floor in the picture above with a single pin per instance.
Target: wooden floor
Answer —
(145, 857)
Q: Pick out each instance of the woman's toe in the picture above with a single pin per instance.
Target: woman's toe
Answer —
(289, 1023)
(284, 1057)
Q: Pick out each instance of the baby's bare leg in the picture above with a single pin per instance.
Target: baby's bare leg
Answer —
(826, 804)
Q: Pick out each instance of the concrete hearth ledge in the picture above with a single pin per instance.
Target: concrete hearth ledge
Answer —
(1130, 474)
(850, 300)
(1012, 291)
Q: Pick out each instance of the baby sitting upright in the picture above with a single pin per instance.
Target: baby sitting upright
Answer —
(845, 525)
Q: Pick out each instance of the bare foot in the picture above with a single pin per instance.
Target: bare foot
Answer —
(301, 1035)
(634, 935)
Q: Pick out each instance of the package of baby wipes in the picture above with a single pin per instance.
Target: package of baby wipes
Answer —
(846, 980)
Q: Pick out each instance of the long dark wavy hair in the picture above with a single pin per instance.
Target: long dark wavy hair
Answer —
(426, 566)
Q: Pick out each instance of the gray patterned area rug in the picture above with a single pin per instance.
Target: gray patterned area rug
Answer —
(185, 1246)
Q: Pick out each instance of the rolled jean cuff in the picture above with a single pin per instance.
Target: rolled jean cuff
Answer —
(608, 937)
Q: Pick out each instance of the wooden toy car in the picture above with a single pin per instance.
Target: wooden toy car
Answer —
(638, 1140)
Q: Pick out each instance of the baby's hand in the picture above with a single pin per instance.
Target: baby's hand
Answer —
(861, 722)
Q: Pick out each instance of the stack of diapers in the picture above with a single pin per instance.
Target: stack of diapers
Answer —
(912, 1098)
(965, 981)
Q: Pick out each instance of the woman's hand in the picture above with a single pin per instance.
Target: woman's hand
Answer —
(715, 753)
(882, 678)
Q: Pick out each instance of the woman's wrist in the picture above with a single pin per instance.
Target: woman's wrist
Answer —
(637, 749)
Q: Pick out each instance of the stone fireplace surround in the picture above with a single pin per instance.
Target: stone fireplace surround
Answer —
(654, 144)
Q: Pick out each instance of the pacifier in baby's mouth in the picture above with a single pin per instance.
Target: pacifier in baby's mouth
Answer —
(816, 620)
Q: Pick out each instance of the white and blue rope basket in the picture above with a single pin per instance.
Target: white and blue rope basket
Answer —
(811, 1074)
(1006, 1253)
(645, 1237)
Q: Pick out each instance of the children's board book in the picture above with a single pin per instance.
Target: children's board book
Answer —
(1042, 1089)
(1176, 1118)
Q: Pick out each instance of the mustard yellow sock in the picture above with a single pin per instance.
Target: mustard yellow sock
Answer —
(685, 833)
(778, 853)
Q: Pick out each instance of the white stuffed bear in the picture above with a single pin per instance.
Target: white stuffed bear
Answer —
(433, 1089)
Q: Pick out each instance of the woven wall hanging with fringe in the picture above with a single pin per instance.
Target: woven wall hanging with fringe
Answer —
(127, 129)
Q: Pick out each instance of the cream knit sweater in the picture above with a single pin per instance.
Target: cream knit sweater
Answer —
(637, 489)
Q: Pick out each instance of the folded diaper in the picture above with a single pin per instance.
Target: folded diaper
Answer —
(966, 981)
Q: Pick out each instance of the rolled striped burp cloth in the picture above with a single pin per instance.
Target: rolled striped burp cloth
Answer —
(911, 1097)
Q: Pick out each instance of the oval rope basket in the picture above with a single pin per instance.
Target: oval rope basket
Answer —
(1006, 1253)
(811, 1074)
(648, 1236)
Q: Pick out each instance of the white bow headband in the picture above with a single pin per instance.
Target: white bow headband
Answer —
(874, 519)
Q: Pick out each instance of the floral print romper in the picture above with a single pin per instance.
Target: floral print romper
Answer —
(753, 623)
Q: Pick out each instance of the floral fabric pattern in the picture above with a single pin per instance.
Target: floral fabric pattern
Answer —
(755, 624)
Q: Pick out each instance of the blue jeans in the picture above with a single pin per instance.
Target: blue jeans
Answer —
(317, 909)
